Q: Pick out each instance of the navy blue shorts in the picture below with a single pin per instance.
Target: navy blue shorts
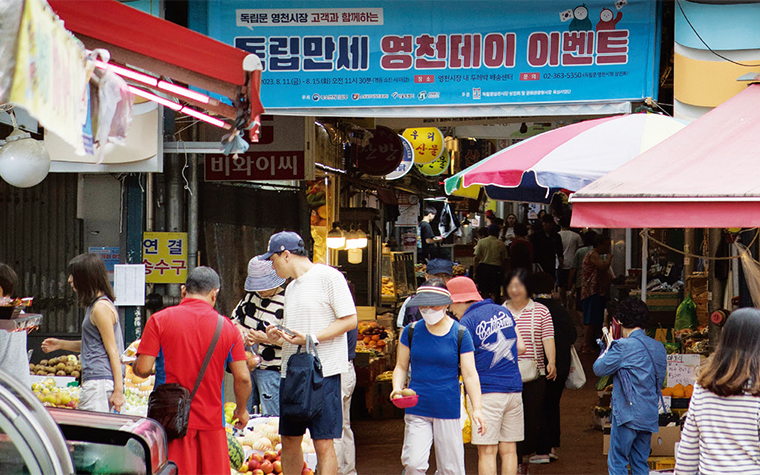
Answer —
(328, 424)
(593, 310)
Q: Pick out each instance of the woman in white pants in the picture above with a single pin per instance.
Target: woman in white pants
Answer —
(436, 347)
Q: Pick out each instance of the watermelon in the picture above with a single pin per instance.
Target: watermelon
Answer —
(237, 455)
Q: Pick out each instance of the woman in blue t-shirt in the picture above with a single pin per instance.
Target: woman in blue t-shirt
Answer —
(436, 350)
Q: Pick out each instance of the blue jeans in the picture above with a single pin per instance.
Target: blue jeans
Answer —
(629, 446)
(268, 387)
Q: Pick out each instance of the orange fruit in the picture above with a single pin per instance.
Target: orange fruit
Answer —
(376, 337)
(678, 386)
(678, 392)
(689, 390)
(367, 340)
(667, 392)
(381, 344)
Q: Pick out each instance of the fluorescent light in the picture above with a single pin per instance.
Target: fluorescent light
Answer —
(204, 117)
(128, 73)
(155, 82)
(184, 92)
(157, 99)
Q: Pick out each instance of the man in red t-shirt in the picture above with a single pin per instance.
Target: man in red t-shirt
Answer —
(184, 333)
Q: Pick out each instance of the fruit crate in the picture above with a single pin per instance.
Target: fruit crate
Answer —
(660, 301)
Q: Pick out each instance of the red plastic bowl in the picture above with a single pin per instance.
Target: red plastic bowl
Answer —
(405, 401)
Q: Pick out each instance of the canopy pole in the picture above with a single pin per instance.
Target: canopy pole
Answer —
(628, 250)
(644, 263)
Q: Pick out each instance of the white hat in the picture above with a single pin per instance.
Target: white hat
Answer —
(261, 276)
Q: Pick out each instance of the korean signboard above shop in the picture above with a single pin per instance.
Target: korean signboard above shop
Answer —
(339, 54)
(280, 154)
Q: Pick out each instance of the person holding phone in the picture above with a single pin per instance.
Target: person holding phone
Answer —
(262, 305)
(638, 365)
(318, 303)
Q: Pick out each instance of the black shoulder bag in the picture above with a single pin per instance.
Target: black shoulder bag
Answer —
(169, 404)
(300, 393)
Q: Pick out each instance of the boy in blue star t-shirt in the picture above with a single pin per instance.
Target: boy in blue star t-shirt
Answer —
(497, 345)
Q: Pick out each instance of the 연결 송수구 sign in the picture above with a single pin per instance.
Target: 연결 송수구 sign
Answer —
(165, 258)
(339, 54)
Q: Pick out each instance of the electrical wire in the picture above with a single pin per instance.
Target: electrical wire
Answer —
(678, 2)
(187, 183)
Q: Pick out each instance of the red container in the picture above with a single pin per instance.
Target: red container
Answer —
(405, 401)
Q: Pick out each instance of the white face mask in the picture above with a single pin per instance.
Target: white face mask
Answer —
(432, 316)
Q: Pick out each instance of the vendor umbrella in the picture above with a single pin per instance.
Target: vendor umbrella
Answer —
(567, 158)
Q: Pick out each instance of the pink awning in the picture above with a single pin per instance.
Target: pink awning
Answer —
(706, 175)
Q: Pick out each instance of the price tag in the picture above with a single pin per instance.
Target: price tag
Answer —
(682, 369)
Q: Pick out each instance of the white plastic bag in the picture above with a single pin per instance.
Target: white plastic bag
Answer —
(577, 377)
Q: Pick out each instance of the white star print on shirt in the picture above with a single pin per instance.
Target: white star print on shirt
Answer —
(501, 349)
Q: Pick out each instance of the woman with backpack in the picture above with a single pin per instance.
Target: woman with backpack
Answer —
(436, 347)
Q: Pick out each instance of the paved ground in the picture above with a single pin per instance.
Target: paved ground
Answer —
(378, 443)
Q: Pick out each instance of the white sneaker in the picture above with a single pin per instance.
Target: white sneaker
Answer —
(540, 459)
(553, 455)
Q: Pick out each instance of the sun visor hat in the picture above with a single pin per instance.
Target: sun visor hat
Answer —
(261, 276)
(429, 296)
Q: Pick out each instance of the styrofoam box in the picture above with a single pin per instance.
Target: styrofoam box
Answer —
(310, 459)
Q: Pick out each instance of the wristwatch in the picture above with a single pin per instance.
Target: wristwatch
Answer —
(314, 339)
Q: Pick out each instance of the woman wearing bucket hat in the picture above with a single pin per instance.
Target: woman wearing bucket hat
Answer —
(262, 306)
(497, 345)
(436, 347)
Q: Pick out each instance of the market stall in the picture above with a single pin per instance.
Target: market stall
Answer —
(692, 188)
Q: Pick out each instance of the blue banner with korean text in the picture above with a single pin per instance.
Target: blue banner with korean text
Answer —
(331, 54)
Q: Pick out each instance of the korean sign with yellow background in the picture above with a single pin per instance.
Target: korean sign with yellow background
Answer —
(165, 258)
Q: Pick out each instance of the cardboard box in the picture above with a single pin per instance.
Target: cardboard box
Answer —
(365, 314)
(664, 442)
(606, 439)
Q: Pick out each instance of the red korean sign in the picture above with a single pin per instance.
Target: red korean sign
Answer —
(383, 154)
(256, 166)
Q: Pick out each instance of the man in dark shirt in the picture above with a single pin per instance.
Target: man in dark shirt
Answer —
(547, 246)
(428, 244)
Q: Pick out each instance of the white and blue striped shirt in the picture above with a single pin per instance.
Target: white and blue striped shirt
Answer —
(720, 436)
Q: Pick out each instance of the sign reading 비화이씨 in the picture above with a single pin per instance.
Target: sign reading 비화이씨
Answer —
(165, 258)
(280, 154)
(337, 53)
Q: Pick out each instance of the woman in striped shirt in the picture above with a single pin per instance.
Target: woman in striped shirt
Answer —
(721, 431)
(534, 324)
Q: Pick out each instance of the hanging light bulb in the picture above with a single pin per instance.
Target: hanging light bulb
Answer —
(352, 239)
(24, 161)
(524, 128)
(336, 239)
(361, 239)
(355, 256)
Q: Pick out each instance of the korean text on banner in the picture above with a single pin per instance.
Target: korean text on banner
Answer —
(50, 78)
(424, 53)
(165, 258)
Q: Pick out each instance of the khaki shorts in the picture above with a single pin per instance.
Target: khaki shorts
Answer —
(503, 414)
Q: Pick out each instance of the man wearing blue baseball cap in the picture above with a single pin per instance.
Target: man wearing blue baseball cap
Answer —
(318, 303)
(441, 268)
